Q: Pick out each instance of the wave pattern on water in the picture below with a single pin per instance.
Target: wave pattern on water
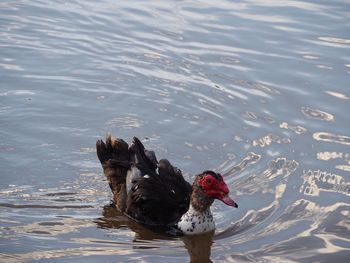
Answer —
(257, 90)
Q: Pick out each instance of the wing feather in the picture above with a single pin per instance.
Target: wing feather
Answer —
(161, 195)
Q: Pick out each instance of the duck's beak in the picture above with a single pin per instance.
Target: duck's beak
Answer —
(228, 201)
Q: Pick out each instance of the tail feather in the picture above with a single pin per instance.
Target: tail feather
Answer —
(115, 158)
(102, 152)
(145, 160)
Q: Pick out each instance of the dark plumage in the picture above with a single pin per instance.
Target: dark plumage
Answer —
(155, 193)
(116, 159)
(159, 196)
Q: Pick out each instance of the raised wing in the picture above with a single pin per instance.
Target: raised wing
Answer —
(159, 195)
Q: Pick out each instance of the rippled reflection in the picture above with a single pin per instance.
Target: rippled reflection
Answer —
(317, 114)
(328, 156)
(52, 228)
(338, 95)
(316, 182)
(297, 129)
(127, 122)
(329, 137)
(198, 247)
(269, 139)
(335, 40)
(257, 90)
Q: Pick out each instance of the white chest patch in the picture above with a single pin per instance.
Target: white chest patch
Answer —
(194, 222)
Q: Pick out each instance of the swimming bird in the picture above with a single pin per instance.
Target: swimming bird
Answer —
(155, 193)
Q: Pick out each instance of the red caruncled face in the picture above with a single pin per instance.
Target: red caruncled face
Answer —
(214, 186)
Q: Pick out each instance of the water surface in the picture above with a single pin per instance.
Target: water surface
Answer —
(257, 90)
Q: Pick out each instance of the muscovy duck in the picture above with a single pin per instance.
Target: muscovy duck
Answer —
(155, 193)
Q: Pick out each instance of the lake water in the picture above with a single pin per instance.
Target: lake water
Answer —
(257, 90)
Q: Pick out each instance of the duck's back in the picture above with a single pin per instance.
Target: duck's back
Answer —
(158, 194)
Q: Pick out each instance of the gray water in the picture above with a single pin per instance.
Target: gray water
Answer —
(257, 90)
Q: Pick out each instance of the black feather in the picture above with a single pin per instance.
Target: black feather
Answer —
(160, 198)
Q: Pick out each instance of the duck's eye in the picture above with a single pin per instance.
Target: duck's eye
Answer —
(209, 182)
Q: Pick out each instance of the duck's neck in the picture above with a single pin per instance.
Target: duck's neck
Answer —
(198, 219)
(199, 200)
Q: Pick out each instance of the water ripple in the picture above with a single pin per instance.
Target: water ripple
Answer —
(19, 206)
(297, 129)
(281, 167)
(128, 122)
(269, 139)
(221, 82)
(335, 40)
(330, 137)
(227, 169)
(317, 114)
(338, 95)
(318, 181)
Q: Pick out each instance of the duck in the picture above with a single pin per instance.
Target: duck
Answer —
(154, 193)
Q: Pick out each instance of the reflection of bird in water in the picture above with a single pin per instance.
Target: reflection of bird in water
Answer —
(155, 193)
(114, 219)
(198, 246)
